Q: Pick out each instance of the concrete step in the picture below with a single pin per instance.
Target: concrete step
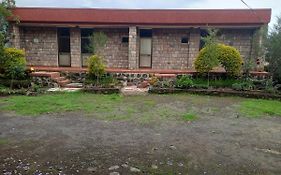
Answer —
(74, 85)
(45, 74)
(59, 79)
(63, 82)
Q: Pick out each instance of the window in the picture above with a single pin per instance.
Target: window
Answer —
(64, 40)
(86, 40)
(184, 40)
(125, 39)
(146, 33)
(203, 33)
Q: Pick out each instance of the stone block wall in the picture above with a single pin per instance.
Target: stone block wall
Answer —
(167, 50)
(133, 48)
(194, 42)
(40, 45)
(75, 47)
(115, 52)
(241, 39)
(14, 36)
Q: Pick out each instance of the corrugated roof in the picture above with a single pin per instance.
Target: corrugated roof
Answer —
(143, 16)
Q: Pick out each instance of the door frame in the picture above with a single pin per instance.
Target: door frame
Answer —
(140, 49)
(58, 38)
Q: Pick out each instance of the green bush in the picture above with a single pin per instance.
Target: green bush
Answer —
(207, 59)
(227, 56)
(13, 63)
(217, 83)
(230, 59)
(96, 66)
(105, 80)
(184, 82)
(244, 86)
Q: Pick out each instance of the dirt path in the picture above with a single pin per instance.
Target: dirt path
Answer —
(218, 143)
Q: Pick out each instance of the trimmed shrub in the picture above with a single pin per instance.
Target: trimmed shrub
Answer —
(96, 67)
(184, 82)
(13, 63)
(230, 59)
(207, 59)
(227, 56)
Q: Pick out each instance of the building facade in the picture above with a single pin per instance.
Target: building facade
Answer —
(136, 39)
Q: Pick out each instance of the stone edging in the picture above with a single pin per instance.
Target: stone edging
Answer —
(218, 92)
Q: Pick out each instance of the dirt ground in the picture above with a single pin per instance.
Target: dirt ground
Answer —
(219, 142)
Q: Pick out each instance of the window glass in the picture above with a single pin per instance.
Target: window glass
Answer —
(64, 40)
(86, 40)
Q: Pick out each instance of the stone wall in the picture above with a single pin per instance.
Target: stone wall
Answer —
(133, 45)
(115, 52)
(241, 39)
(167, 50)
(75, 47)
(14, 36)
(40, 45)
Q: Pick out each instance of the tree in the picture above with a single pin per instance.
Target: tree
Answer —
(208, 56)
(5, 12)
(273, 54)
(97, 42)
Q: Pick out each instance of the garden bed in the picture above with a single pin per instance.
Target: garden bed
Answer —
(218, 92)
(101, 90)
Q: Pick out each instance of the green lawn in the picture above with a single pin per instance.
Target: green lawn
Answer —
(108, 107)
(259, 108)
(177, 107)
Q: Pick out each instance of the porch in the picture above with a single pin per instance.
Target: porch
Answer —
(135, 71)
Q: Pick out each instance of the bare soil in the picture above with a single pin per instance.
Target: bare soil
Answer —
(220, 142)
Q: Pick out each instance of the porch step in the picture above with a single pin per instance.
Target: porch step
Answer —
(74, 85)
(55, 76)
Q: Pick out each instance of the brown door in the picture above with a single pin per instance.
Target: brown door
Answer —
(145, 52)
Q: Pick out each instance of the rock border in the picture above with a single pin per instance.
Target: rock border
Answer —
(218, 92)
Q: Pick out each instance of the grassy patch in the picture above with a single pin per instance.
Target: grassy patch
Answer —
(140, 109)
(59, 102)
(189, 117)
(3, 141)
(259, 108)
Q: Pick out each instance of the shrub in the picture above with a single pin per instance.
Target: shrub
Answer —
(13, 63)
(207, 59)
(184, 82)
(244, 86)
(227, 56)
(96, 67)
(230, 59)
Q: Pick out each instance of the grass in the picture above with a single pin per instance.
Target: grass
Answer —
(3, 141)
(59, 102)
(258, 108)
(142, 109)
(189, 117)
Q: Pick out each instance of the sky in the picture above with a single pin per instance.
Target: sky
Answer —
(275, 5)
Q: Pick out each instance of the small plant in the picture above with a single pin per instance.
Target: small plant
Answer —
(190, 117)
(153, 80)
(96, 67)
(244, 86)
(184, 82)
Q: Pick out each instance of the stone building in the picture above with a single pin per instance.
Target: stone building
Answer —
(137, 39)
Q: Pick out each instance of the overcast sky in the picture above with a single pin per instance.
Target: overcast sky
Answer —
(159, 4)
